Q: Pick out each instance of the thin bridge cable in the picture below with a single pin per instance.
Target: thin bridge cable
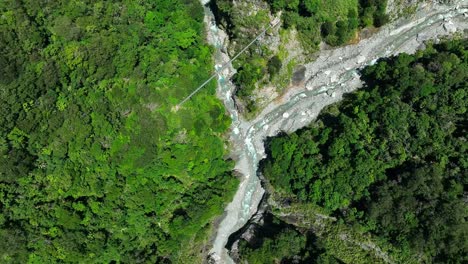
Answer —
(274, 23)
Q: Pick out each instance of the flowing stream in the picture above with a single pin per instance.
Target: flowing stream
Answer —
(332, 74)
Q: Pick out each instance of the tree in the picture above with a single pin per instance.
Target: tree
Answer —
(274, 65)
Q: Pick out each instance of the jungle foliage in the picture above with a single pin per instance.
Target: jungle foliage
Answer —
(276, 242)
(94, 165)
(335, 21)
(391, 158)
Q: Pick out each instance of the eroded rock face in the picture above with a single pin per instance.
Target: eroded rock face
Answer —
(249, 235)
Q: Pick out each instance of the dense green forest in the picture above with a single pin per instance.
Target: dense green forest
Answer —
(95, 167)
(277, 242)
(335, 22)
(390, 160)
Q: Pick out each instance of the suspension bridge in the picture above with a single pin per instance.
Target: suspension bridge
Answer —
(272, 24)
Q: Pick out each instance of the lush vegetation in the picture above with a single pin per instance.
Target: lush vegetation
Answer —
(282, 247)
(281, 243)
(242, 25)
(95, 167)
(391, 159)
(335, 22)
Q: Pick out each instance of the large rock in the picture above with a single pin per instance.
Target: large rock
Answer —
(450, 27)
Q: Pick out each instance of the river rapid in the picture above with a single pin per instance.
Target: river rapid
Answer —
(332, 74)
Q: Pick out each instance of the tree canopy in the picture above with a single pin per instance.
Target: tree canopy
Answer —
(95, 166)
